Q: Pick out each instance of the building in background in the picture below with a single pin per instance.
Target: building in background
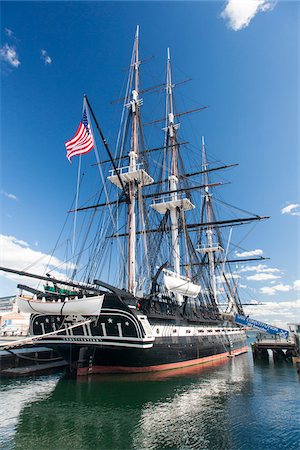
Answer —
(12, 322)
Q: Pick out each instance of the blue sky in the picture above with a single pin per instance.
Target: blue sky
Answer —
(244, 64)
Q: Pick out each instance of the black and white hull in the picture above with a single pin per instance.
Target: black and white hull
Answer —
(122, 338)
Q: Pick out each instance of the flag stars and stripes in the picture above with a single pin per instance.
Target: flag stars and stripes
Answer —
(83, 140)
(85, 122)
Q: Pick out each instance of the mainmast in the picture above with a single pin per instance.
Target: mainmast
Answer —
(132, 176)
(175, 202)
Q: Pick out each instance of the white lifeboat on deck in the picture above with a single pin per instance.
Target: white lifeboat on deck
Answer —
(85, 306)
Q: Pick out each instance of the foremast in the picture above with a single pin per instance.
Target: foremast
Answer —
(133, 176)
(133, 155)
(171, 140)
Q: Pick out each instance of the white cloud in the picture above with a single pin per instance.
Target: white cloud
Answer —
(17, 254)
(268, 290)
(8, 195)
(296, 285)
(239, 13)
(257, 252)
(45, 57)
(272, 290)
(16, 241)
(282, 287)
(270, 270)
(276, 313)
(9, 55)
(293, 209)
(259, 268)
(262, 276)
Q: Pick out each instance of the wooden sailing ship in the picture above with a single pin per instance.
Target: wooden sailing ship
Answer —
(174, 297)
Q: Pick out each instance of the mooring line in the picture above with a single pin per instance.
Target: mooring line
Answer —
(40, 336)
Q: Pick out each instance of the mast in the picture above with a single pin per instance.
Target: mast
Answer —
(132, 176)
(173, 178)
(209, 231)
(133, 154)
(174, 200)
(211, 248)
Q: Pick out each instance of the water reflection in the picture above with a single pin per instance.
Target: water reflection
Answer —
(225, 406)
(195, 417)
(14, 395)
(170, 410)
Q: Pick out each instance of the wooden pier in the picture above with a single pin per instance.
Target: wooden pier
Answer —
(282, 349)
(22, 360)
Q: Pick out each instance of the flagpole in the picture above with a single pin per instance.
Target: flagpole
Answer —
(76, 207)
(77, 197)
(106, 145)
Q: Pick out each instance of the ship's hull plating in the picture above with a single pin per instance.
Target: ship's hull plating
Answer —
(120, 340)
(165, 354)
(99, 368)
(86, 358)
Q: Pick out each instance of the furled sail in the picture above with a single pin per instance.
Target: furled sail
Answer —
(180, 285)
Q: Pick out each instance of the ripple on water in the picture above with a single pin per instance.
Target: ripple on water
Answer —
(231, 406)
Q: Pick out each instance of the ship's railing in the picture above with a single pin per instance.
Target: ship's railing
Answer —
(216, 247)
(169, 198)
(125, 169)
(267, 337)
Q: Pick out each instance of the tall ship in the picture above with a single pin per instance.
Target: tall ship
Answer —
(153, 289)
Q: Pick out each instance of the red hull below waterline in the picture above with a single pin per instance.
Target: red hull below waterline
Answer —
(95, 369)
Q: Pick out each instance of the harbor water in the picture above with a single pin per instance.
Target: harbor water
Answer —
(234, 404)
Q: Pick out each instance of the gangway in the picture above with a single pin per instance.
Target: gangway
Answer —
(262, 326)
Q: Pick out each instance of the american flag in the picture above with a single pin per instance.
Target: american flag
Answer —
(83, 140)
